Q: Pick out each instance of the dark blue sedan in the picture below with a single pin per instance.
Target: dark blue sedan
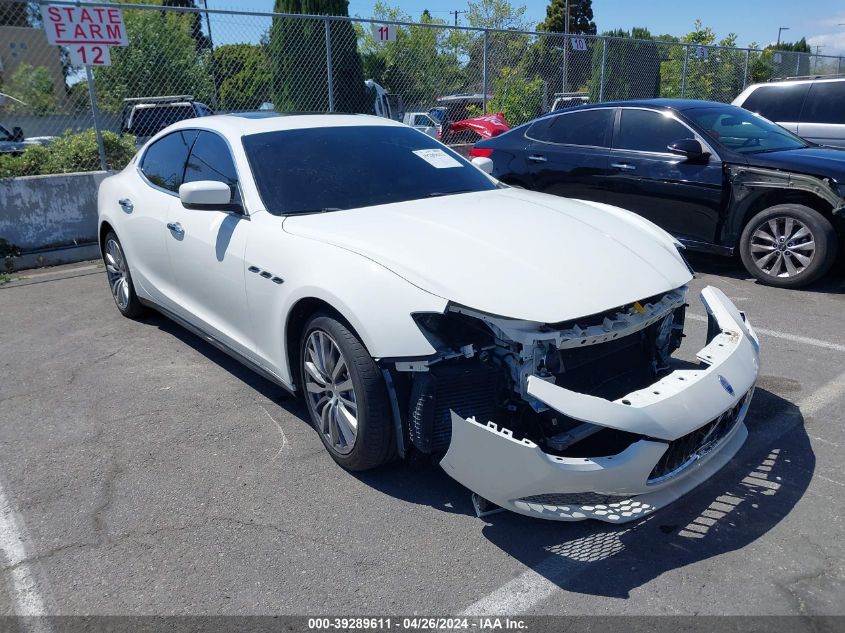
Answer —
(718, 177)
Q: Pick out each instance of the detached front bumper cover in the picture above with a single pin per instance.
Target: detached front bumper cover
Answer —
(519, 476)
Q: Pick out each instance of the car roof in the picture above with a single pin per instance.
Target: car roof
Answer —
(671, 104)
(789, 81)
(246, 123)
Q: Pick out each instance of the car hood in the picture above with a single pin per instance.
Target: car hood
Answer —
(510, 252)
(818, 161)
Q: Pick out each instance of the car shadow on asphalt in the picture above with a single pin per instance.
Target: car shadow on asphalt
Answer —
(741, 503)
(418, 481)
(731, 267)
(738, 505)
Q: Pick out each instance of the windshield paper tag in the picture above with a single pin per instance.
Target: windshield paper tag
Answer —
(437, 158)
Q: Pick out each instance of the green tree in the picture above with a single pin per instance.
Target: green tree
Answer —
(496, 14)
(711, 73)
(161, 59)
(554, 51)
(421, 64)
(203, 42)
(787, 59)
(580, 17)
(518, 98)
(34, 86)
(243, 75)
(298, 59)
(632, 66)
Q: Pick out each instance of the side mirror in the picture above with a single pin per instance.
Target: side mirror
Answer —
(207, 195)
(689, 148)
(17, 134)
(484, 164)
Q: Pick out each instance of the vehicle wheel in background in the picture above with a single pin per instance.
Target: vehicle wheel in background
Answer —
(788, 245)
(346, 394)
(120, 281)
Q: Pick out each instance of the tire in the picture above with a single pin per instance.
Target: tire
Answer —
(788, 245)
(372, 439)
(120, 279)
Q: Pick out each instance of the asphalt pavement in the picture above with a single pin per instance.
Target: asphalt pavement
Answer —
(144, 472)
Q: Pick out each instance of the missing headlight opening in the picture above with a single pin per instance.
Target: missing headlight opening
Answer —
(482, 366)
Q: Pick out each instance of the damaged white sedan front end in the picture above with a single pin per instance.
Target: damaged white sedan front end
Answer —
(538, 367)
(588, 419)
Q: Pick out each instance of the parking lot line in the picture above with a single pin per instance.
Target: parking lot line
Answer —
(28, 601)
(795, 338)
(536, 584)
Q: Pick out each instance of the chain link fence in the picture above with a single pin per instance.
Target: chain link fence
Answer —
(56, 117)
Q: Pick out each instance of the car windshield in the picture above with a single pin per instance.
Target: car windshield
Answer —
(742, 131)
(333, 168)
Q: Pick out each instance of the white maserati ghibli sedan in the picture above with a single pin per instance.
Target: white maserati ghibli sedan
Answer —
(422, 308)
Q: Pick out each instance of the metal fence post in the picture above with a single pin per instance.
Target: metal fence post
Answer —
(92, 96)
(484, 76)
(329, 73)
(839, 67)
(745, 72)
(603, 64)
(684, 72)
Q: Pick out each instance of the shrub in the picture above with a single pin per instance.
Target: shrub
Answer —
(72, 152)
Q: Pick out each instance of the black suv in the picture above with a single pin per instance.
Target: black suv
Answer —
(144, 117)
(718, 177)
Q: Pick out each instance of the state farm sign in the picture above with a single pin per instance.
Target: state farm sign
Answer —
(87, 32)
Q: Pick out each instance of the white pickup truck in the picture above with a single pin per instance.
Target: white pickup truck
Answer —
(423, 122)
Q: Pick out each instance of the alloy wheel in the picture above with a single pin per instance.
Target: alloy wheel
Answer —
(782, 247)
(118, 274)
(331, 395)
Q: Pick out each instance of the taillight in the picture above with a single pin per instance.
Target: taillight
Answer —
(483, 152)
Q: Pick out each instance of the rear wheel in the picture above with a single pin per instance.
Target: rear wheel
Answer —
(346, 395)
(120, 280)
(788, 245)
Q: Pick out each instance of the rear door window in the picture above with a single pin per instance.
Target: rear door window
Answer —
(778, 103)
(585, 127)
(824, 103)
(164, 161)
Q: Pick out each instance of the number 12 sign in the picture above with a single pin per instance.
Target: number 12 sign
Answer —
(383, 32)
(87, 32)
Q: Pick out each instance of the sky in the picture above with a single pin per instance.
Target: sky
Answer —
(752, 20)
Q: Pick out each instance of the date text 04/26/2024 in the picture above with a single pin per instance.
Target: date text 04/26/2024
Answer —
(416, 623)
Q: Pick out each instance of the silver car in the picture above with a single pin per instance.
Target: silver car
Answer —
(809, 107)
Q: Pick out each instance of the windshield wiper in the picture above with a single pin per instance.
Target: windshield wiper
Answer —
(438, 194)
(312, 211)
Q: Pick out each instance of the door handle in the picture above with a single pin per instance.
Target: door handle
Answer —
(537, 159)
(623, 166)
(176, 228)
(126, 204)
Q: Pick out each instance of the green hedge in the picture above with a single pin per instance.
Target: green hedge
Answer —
(72, 152)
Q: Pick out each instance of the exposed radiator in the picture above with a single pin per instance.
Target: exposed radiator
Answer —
(469, 388)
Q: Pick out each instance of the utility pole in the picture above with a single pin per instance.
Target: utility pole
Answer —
(780, 30)
(566, 49)
(456, 13)
(216, 96)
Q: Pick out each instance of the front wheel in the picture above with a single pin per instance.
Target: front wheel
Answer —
(346, 395)
(788, 245)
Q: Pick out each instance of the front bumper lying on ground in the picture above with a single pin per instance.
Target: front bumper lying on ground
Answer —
(691, 423)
